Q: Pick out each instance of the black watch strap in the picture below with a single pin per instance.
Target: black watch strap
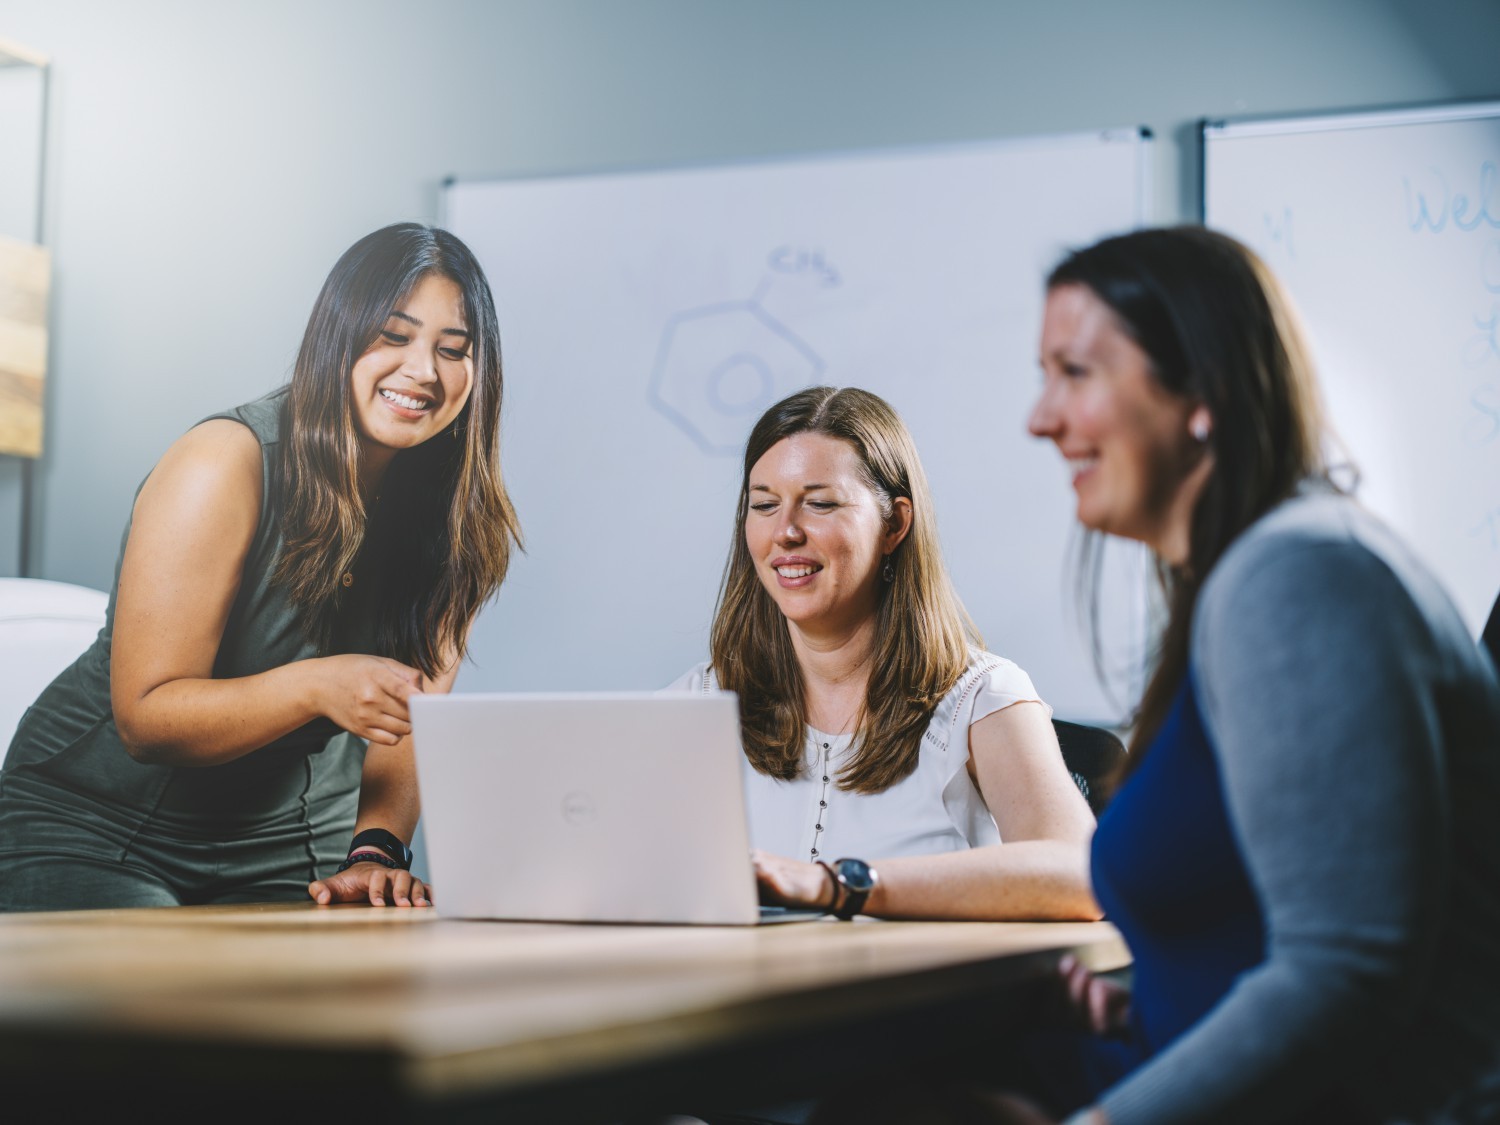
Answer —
(388, 843)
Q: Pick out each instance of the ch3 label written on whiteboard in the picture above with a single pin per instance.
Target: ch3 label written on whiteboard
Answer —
(809, 263)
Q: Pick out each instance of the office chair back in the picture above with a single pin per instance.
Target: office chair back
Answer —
(1093, 756)
(44, 626)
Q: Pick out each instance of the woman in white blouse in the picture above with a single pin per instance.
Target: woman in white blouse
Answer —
(874, 724)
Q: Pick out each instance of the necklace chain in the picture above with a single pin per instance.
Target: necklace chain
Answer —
(822, 803)
(827, 775)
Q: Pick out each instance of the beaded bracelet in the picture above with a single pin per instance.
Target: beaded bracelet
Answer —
(371, 857)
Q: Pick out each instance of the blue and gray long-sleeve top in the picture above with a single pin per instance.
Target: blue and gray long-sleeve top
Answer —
(1306, 864)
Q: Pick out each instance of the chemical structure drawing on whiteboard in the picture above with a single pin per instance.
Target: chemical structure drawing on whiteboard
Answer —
(719, 366)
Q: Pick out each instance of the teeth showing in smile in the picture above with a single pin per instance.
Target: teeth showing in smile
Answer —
(796, 571)
(1079, 465)
(404, 402)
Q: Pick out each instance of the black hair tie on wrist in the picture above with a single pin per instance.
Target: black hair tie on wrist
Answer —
(838, 889)
(391, 846)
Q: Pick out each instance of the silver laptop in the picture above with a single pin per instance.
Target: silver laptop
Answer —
(621, 807)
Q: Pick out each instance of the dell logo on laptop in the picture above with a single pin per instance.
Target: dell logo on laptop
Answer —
(578, 807)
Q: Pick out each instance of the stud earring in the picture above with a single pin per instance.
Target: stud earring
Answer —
(1199, 428)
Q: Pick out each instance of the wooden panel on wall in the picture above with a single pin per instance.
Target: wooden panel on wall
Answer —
(25, 276)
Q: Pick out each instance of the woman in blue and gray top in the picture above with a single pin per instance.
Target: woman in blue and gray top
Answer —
(1305, 854)
(293, 571)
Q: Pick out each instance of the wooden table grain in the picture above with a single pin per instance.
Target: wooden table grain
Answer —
(393, 1014)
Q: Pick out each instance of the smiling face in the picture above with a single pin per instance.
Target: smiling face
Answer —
(1137, 469)
(816, 533)
(413, 381)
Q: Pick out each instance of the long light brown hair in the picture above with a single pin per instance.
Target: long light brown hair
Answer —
(438, 544)
(922, 632)
(1218, 330)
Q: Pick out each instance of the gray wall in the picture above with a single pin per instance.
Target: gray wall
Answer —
(210, 161)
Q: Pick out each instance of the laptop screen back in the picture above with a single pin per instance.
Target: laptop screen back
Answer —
(619, 807)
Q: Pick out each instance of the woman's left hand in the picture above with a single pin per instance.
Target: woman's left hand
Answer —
(790, 882)
(373, 883)
(1092, 1003)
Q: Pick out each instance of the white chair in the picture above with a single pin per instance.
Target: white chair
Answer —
(43, 628)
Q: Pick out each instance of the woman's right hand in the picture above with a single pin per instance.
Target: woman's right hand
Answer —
(367, 695)
(373, 883)
(791, 882)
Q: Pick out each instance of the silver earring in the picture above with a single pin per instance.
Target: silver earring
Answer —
(1199, 428)
(888, 571)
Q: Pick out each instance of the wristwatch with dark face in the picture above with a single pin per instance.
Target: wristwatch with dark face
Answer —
(389, 843)
(858, 879)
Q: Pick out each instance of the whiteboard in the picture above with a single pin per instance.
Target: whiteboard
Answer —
(648, 318)
(1385, 228)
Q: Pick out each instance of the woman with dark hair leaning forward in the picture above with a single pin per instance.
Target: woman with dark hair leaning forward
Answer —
(293, 571)
(893, 767)
(1305, 855)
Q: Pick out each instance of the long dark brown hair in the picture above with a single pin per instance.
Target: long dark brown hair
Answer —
(1219, 331)
(922, 632)
(439, 542)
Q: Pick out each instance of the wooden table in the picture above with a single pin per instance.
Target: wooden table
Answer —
(292, 1012)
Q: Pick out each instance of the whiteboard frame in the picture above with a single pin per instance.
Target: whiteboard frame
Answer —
(1228, 128)
(1133, 134)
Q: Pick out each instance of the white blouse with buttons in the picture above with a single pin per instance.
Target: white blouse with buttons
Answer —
(935, 808)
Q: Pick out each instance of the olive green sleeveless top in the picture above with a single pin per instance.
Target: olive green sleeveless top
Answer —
(69, 784)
